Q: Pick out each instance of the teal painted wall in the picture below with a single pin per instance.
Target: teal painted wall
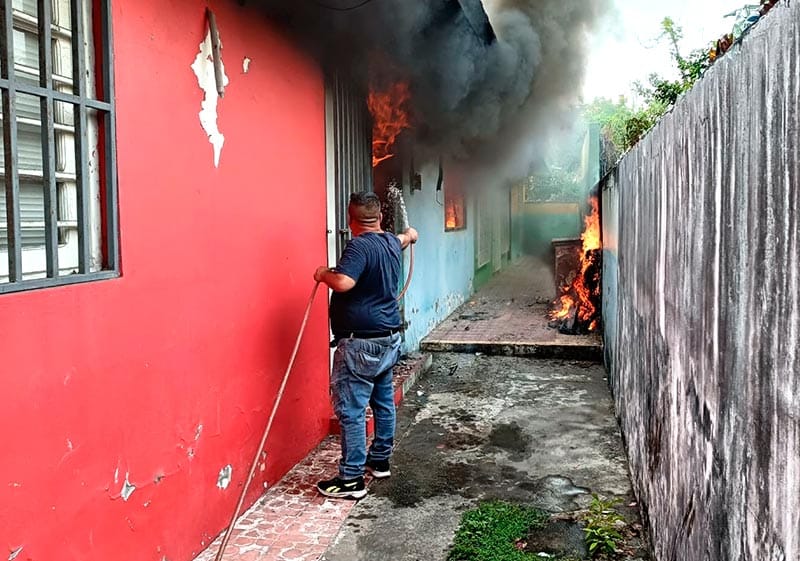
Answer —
(541, 225)
(536, 223)
(443, 261)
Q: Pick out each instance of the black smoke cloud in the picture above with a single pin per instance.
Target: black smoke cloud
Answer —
(483, 90)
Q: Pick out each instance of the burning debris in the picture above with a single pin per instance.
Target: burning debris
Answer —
(577, 309)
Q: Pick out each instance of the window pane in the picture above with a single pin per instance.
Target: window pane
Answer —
(62, 64)
(64, 113)
(26, 56)
(29, 145)
(62, 44)
(26, 48)
(27, 6)
(62, 13)
(68, 225)
(29, 134)
(28, 107)
(65, 138)
(31, 211)
(29, 148)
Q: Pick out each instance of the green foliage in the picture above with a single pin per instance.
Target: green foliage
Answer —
(622, 126)
(673, 34)
(691, 67)
(490, 532)
(643, 120)
(613, 121)
(556, 185)
(602, 536)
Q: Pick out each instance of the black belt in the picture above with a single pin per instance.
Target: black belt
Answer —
(365, 334)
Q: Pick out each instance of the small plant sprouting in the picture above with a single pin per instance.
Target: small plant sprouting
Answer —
(602, 536)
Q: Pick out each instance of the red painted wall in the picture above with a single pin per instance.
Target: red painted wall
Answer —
(169, 373)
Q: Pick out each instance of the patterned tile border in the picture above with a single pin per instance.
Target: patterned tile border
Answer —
(292, 522)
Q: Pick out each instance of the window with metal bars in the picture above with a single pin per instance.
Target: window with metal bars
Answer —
(58, 208)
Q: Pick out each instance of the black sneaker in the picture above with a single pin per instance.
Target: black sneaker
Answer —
(379, 469)
(343, 488)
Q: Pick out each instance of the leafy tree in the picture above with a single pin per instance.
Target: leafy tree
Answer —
(623, 126)
(692, 66)
(612, 118)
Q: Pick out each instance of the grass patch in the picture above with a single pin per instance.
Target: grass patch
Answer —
(491, 532)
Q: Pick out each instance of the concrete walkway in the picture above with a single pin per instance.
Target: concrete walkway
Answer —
(539, 432)
(481, 425)
(509, 317)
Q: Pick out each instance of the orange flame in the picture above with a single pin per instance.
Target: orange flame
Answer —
(451, 216)
(577, 295)
(566, 302)
(591, 231)
(390, 118)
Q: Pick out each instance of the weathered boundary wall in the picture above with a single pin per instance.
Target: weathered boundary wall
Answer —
(702, 288)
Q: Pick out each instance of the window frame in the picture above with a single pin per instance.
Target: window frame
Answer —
(102, 104)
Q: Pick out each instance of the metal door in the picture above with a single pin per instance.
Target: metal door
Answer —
(349, 152)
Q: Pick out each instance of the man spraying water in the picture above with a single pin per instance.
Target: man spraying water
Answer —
(365, 320)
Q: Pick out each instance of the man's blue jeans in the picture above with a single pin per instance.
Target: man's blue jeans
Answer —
(361, 375)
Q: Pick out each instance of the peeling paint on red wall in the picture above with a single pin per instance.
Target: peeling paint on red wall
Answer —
(125, 400)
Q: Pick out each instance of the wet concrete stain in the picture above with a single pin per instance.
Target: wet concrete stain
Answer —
(469, 450)
(558, 538)
(509, 437)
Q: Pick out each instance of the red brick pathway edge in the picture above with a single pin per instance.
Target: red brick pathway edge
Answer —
(292, 522)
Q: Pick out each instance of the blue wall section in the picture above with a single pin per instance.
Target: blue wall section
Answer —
(444, 261)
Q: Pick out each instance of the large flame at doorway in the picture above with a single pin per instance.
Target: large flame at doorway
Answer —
(389, 118)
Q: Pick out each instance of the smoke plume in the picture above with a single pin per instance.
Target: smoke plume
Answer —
(482, 90)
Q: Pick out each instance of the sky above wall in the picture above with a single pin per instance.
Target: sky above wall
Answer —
(626, 47)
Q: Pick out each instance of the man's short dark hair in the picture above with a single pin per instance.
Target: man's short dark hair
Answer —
(365, 207)
(364, 198)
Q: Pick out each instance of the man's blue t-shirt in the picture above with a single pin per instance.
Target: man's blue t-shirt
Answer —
(374, 261)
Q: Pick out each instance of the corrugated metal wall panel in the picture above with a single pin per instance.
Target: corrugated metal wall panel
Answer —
(352, 138)
(703, 320)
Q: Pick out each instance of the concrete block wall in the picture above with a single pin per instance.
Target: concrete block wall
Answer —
(702, 289)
